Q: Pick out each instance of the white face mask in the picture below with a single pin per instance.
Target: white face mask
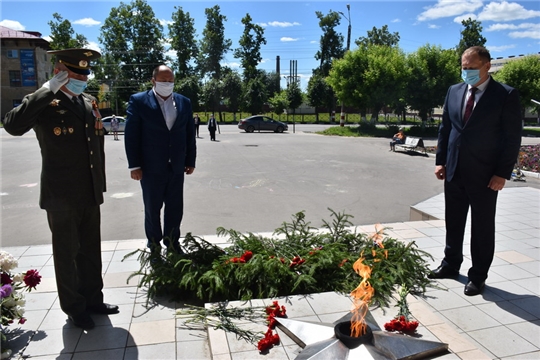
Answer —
(164, 89)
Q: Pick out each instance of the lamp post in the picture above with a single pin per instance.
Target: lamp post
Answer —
(348, 17)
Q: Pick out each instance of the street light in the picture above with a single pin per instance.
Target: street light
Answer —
(342, 115)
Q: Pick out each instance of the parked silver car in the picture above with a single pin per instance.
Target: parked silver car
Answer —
(261, 123)
(107, 124)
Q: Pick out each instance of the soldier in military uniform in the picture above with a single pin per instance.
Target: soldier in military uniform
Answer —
(70, 134)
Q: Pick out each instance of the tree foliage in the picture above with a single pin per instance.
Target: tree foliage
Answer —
(232, 89)
(381, 37)
(294, 96)
(254, 95)
(369, 77)
(524, 75)
(320, 93)
(62, 35)
(249, 51)
(331, 42)
(182, 34)
(471, 35)
(132, 38)
(431, 71)
(214, 45)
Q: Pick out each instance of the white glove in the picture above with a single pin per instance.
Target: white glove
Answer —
(57, 81)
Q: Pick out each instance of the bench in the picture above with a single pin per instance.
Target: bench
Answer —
(412, 144)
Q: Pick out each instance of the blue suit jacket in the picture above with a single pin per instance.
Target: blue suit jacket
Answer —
(490, 141)
(150, 144)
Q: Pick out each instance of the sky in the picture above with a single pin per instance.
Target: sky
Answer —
(512, 28)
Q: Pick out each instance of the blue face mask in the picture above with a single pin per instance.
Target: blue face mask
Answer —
(76, 86)
(470, 76)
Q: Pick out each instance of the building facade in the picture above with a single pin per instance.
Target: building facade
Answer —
(25, 66)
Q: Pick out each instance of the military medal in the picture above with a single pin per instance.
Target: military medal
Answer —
(98, 125)
(57, 131)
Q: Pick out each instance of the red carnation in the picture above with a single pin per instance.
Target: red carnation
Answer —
(5, 279)
(32, 279)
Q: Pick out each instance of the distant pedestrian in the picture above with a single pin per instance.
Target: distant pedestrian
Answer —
(197, 122)
(115, 126)
(212, 126)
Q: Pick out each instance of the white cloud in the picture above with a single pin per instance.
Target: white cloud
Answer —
(504, 11)
(288, 39)
(459, 19)
(164, 23)
(86, 22)
(433, 26)
(12, 24)
(282, 24)
(498, 27)
(495, 49)
(448, 8)
(395, 21)
(232, 64)
(93, 45)
(525, 34)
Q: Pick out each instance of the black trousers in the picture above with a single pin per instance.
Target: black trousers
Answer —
(212, 133)
(76, 241)
(460, 194)
(158, 190)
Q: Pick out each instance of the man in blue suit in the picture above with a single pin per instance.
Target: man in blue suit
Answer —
(160, 148)
(478, 145)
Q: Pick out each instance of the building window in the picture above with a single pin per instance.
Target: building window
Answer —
(14, 78)
(12, 54)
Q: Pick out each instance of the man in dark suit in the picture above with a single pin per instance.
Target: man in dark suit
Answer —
(479, 142)
(160, 147)
(70, 134)
(212, 127)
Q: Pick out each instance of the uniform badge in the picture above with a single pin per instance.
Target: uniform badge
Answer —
(55, 102)
(70, 130)
(57, 131)
(62, 112)
(64, 130)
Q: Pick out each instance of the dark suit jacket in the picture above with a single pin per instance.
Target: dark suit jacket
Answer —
(490, 141)
(149, 142)
(73, 157)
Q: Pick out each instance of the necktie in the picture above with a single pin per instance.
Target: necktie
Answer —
(79, 104)
(470, 105)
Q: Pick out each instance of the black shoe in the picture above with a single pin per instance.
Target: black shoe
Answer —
(443, 272)
(175, 248)
(471, 289)
(82, 320)
(103, 308)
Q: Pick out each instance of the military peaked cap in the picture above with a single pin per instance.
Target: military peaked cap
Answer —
(76, 60)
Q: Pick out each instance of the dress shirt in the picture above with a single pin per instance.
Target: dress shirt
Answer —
(168, 108)
(477, 95)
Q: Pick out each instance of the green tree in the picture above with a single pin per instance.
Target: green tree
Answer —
(182, 34)
(295, 98)
(211, 96)
(471, 35)
(379, 37)
(369, 77)
(278, 102)
(62, 35)
(132, 38)
(431, 72)
(272, 82)
(320, 94)
(254, 95)
(249, 51)
(331, 42)
(524, 75)
(213, 46)
(190, 87)
(232, 90)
